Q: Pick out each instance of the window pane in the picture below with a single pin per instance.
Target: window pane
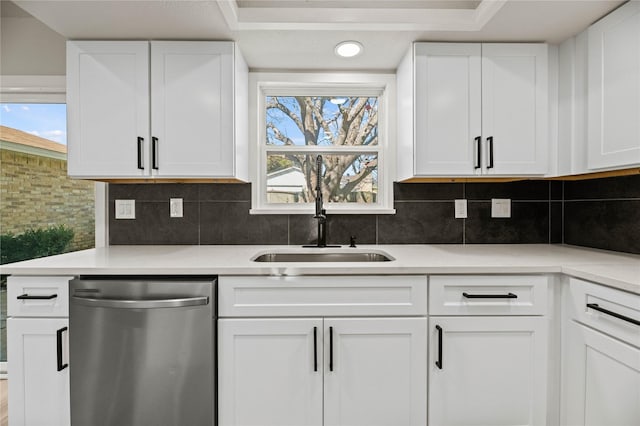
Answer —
(321, 120)
(42, 211)
(346, 178)
(48, 121)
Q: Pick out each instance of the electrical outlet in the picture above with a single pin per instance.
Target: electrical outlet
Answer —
(461, 209)
(175, 205)
(500, 207)
(125, 209)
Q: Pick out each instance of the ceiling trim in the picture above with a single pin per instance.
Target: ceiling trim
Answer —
(357, 19)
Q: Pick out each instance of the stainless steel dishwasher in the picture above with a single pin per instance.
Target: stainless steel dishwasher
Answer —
(142, 351)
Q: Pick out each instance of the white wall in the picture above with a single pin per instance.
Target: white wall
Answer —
(27, 46)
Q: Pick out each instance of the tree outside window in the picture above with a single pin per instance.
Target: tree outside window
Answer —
(343, 129)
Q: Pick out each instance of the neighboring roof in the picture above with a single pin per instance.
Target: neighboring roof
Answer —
(19, 137)
(290, 180)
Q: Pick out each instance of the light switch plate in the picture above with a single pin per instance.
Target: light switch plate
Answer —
(500, 207)
(125, 209)
(461, 209)
(175, 205)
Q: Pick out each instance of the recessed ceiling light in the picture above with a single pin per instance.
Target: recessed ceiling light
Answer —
(348, 49)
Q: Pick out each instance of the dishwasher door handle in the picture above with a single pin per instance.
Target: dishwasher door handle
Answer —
(141, 303)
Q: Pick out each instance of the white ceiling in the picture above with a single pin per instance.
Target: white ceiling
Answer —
(301, 34)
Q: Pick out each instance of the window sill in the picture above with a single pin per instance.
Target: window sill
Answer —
(329, 211)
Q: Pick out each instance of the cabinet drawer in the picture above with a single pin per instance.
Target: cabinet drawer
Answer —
(322, 296)
(606, 309)
(488, 295)
(38, 296)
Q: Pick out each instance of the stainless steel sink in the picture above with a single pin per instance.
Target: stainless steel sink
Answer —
(323, 257)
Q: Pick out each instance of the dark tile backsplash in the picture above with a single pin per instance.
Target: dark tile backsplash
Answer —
(603, 213)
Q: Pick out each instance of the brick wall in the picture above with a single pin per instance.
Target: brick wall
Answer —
(35, 192)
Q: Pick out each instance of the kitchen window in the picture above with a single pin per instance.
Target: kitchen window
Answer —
(42, 211)
(342, 118)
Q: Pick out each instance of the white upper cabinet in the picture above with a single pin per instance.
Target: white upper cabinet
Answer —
(515, 109)
(448, 108)
(165, 109)
(473, 109)
(107, 108)
(614, 89)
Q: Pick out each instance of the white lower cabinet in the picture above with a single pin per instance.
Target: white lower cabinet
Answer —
(601, 356)
(368, 371)
(487, 371)
(352, 351)
(488, 350)
(603, 379)
(38, 375)
(267, 372)
(375, 372)
(37, 351)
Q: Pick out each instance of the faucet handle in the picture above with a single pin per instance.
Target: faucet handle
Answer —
(352, 241)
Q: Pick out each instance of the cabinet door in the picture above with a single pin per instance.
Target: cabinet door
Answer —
(375, 372)
(614, 89)
(514, 108)
(492, 371)
(269, 373)
(601, 385)
(447, 108)
(192, 109)
(108, 108)
(38, 392)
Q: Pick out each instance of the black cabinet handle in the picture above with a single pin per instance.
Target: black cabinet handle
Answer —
(439, 361)
(154, 153)
(490, 296)
(597, 307)
(27, 297)
(315, 348)
(330, 348)
(140, 154)
(478, 153)
(61, 366)
(490, 142)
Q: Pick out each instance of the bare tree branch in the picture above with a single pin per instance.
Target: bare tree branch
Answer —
(279, 135)
(354, 123)
(274, 103)
(364, 172)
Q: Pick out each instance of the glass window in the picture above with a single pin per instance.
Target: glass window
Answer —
(333, 123)
(345, 127)
(42, 211)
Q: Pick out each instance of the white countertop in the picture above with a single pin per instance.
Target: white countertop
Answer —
(614, 269)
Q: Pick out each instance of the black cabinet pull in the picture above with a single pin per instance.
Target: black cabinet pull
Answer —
(490, 296)
(490, 148)
(61, 366)
(140, 154)
(330, 348)
(154, 153)
(27, 297)
(439, 361)
(597, 307)
(478, 153)
(315, 348)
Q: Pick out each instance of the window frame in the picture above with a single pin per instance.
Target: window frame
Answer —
(380, 85)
